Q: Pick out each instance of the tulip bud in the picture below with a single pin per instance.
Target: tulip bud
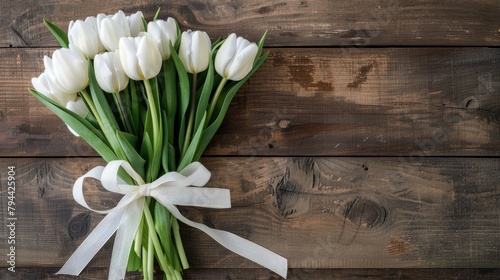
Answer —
(109, 72)
(140, 58)
(135, 23)
(111, 28)
(235, 58)
(194, 51)
(83, 35)
(163, 34)
(78, 107)
(70, 69)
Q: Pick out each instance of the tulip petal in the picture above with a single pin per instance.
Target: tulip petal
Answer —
(242, 63)
(128, 58)
(225, 55)
(71, 69)
(149, 58)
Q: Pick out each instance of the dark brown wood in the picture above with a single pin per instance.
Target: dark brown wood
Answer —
(317, 212)
(293, 274)
(290, 23)
(311, 102)
(400, 178)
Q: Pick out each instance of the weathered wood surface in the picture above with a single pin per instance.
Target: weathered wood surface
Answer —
(317, 102)
(320, 213)
(291, 23)
(293, 274)
(415, 193)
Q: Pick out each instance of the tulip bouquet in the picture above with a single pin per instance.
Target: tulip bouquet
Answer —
(148, 99)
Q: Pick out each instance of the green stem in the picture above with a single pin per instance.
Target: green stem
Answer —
(145, 263)
(123, 113)
(192, 110)
(214, 100)
(150, 256)
(154, 238)
(138, 238)
(178, 243)
(152, 108)
(107, 133)
(90, 103)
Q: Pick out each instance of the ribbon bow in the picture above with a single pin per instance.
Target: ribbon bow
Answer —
(170, 190)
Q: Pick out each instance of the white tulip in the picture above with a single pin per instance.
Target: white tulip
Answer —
(70, 68)
(194, 51)
(140, 58)
(42, 85)
(163, 34)
(78, 107)
(235, 58)
(109, 72)
(136, 23)
(83, 35)
(111, 28)
(54, 86)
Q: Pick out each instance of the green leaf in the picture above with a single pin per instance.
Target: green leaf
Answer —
(221, 110)
(136, 161)
(170, 98)
(132, 139)
(91, 119)
(165, 150)
(154, 124)
(172, 163)
(110, 125)
(148, 124)
(261, 45)
(157, 14)
(191, 151)
(205, 94)
(163, 227)
(146, 150)
(84, 128)
(145, 23)
(58, 33)
(134, 261)
(134, 107)
(184, 94)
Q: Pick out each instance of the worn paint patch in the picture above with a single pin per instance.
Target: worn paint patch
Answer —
(302, 72)
(398, 247)
(362, 75)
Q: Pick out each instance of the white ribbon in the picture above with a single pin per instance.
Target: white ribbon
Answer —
(170, 190)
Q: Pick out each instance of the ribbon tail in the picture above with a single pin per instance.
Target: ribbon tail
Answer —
(92, 244)
(239, 245)
(124, 239)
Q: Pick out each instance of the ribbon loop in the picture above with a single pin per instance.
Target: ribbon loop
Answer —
(171, 189)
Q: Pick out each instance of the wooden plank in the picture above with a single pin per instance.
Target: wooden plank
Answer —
(317, 212)
(261, 274)
(311, 102)
(290, 23)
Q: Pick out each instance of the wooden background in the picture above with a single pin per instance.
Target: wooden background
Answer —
(366, 147)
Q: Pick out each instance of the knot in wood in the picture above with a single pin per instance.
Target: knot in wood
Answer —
(283, 124)
(79, 225)
(365, 213)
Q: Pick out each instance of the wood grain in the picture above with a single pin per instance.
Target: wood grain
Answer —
(366, 147)
(293, 274)
(316, 102)
(344, 212)
(290, 23)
